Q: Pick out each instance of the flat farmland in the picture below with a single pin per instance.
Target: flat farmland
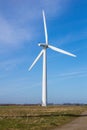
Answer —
(37, 117)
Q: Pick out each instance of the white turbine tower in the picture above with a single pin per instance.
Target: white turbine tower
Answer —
(43, 52)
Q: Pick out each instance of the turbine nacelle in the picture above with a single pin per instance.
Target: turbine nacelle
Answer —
(43, 45)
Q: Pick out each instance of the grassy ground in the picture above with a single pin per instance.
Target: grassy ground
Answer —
(37, 117)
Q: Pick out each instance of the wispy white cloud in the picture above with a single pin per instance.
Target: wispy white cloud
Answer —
(82, 73)
(12, 35)
(75, 38)
(10, 64)
(18, 20)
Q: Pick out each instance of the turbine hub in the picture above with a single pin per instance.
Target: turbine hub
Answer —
(43, 45)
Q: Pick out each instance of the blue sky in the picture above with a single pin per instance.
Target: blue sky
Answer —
(21, 29)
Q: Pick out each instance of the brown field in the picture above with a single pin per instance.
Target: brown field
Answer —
(37, 117)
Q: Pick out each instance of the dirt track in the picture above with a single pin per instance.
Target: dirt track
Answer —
(78, 124)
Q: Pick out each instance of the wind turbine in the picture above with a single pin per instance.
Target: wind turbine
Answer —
(44, 54)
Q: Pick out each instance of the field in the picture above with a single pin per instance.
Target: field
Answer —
(37, 117)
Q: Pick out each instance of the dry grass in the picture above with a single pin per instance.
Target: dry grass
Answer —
(36, 117)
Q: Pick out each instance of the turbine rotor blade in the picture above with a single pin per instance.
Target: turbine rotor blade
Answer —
(45, 27)
(37, 58)
(61, 51)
